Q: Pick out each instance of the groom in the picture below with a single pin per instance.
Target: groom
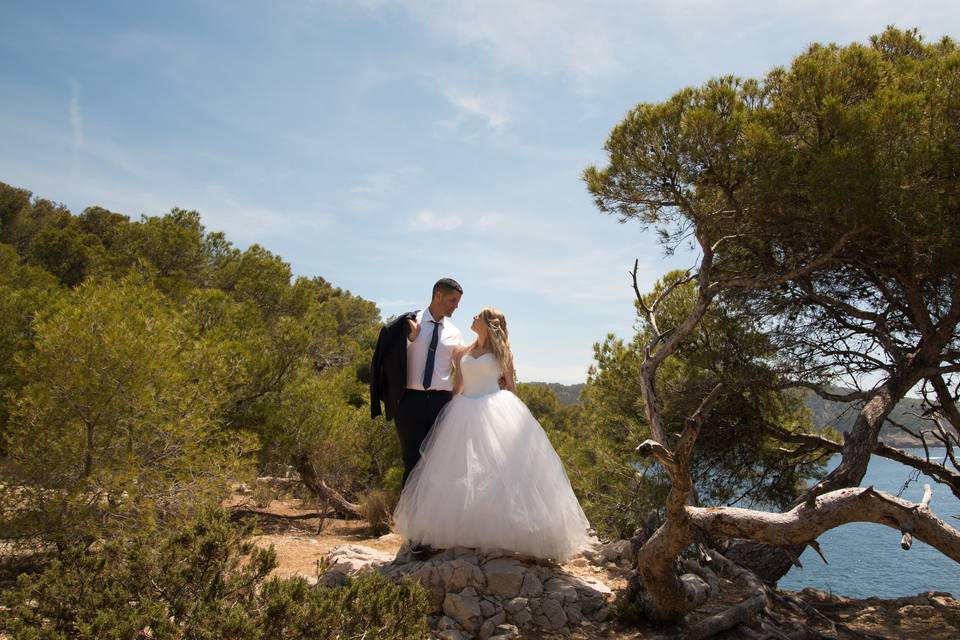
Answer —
(412, 369)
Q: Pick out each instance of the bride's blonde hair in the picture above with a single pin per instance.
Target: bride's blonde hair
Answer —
(498, 337)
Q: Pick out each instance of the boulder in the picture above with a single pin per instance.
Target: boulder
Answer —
(464, 609)
(352, 559)
(491, 595)
(504, 577)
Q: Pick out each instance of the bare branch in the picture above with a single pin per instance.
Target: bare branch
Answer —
(806, 522)
(827, 395)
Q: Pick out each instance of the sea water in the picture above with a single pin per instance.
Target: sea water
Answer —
(866, 559)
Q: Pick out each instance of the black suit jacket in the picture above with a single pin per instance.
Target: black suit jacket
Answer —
(388, 369)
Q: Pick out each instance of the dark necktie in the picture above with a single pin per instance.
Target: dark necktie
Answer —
(431, 356)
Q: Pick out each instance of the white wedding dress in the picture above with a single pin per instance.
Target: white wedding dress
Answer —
(489, 478)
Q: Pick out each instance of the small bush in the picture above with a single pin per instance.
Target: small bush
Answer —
(377, 507)
(204, 580)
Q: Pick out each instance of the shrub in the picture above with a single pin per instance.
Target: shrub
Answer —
(206, 579)
(117, 424)
(377, 507)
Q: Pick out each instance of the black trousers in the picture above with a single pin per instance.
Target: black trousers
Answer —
(416, 414)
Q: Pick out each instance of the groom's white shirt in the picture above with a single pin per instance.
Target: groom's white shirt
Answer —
(449, 338)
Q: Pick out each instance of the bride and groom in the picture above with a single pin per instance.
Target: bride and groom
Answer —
(479, 471)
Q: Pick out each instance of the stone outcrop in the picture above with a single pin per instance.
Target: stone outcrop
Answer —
(491, 596)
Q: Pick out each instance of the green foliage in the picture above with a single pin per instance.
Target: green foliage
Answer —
(856, 141)
(204, 579)
(257, 351)
(544, 404)
(117, 422)
(24, 292)
(736, 462)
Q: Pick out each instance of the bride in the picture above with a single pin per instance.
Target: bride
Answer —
(488, 477)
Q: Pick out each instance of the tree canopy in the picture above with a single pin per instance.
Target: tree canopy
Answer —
(823, 200)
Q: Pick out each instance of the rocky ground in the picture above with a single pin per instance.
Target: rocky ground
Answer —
(575, 600)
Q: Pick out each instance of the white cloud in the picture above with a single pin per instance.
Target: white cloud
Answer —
(491, 110)
(76, 118)
(396, 304)
(594, 40)
(429, 221)
(534, 36)
(377, 189)
(249, 221)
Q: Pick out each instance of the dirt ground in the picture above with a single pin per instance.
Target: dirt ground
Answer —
(301, 543)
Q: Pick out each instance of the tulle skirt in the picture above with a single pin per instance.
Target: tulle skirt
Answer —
(489, 479)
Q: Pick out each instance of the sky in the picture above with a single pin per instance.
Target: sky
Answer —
(384, 144)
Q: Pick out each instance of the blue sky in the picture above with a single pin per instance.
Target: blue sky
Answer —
(383, 144)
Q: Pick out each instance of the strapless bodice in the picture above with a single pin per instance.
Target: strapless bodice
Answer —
(480, 375)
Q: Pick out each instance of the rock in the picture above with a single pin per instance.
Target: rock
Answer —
(498, 618)
(560, 587)
(918, 611)
(555, 615)
(390, 537)
(815, 594)
(574, 615)
(445, 571)
(506, 632)
(590, 603)
(428, 576)
(590, 586)
(332, 578)
(488, 609)
(464, 609)
(353, 559)
(531, 586)
(463, 574)
(616, 551)
(446, 622)
(522, 618)
(543, 573)
(600, 614)
(495, 595)
(940, 601)
(515, 604)
(504, 577)
(487, 629)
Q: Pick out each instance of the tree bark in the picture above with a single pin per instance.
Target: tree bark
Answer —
(806, 521)
(859, 444)
(321, 489)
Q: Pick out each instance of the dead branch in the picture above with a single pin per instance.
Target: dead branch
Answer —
(906, 541)
(320, 488)
(810, 441)
(806, 522)
(239, 512)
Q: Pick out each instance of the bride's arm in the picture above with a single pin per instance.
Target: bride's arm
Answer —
(457, 375)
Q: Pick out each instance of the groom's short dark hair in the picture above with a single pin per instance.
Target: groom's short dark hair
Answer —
(447, 285)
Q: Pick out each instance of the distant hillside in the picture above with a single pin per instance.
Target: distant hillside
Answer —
(826, 413)
(566, 393)
(841, 416)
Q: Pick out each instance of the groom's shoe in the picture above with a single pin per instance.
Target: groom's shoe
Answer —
(421, 551)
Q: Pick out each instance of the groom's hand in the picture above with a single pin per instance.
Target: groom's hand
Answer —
(414, 327)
